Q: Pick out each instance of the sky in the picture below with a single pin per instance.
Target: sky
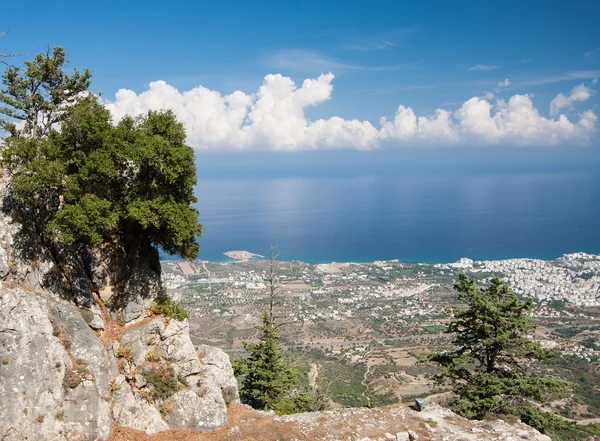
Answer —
(337, 75)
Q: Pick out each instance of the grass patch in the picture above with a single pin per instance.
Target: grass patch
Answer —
(124, 351)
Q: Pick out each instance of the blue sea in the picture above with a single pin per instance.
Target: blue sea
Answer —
(411, 212)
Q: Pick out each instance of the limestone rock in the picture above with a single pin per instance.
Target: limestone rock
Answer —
(218, 365)
(54, 383)
(405, 422)
(202, 409)
(134, 411)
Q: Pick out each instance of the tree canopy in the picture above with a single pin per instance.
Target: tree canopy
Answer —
(93, 179)
(491, 368)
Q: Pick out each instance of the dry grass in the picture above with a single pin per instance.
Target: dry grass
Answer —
(245, 424)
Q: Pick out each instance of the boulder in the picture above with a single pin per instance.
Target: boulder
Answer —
(218, 366)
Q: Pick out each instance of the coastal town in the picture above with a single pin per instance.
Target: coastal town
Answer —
(379, 317)
(380, 290)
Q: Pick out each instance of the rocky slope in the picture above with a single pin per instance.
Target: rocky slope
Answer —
(61, 380)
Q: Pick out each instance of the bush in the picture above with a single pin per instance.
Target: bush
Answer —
(168, 307)
(163, 381)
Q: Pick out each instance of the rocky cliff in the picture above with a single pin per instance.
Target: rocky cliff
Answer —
(81, 354)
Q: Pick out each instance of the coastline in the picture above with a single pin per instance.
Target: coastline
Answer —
(257, 257)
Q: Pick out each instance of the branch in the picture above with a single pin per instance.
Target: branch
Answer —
(3, 55)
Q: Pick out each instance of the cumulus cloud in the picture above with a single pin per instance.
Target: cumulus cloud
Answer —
(274, 118)
(562, 101)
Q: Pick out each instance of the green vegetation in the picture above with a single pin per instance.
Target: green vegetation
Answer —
(92, 181)
(266, 377)
(168, 307)
(584, 376)
(576, 432)
(163, 382)
(489, 369)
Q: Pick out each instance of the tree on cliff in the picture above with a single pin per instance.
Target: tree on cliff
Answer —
(37, 97)
(86, 180)
(490, 369)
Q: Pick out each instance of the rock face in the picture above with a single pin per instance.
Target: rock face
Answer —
(54, 372)
(390, 423)
(401, 423)
(61, 380)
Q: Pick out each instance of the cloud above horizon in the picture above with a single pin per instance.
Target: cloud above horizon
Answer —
(274, 118)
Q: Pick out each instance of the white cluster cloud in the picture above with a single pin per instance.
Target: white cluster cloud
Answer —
(274, 118)
(562, 101)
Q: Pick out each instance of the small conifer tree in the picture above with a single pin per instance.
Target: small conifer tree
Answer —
(268, 381)
(267, 375)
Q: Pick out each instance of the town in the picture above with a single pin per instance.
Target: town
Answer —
(361, 327)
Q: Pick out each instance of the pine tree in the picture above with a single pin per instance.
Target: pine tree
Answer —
(267, 376)
(490, 369)
(268, 381)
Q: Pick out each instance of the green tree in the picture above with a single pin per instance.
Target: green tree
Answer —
(490, 370)
(90, 182)
(268, 381)
(135, 178)
(39, 95)
(267, 377)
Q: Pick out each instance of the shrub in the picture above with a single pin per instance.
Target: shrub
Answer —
(113, 386)
(168, 307)
(166, 407)
(163, 382)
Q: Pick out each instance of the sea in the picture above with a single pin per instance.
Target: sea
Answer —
(412, 213)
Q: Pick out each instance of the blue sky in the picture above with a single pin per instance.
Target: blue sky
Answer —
(423, 55)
